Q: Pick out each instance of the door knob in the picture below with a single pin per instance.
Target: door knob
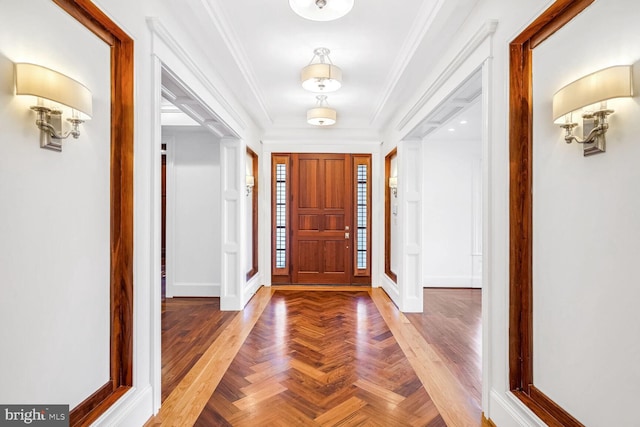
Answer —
(346, 235)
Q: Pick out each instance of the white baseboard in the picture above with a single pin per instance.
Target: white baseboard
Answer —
(507, 411)
(131, 410)
(251, 288)
(231, 303)
(391, 288)
(185, 289)
(451, 282)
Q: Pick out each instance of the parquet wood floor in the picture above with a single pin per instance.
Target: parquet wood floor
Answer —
(320, 359)
(189, 326)
(310, 360)
(451, 322)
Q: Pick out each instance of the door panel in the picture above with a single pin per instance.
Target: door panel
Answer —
(307, 176)
(322, 191)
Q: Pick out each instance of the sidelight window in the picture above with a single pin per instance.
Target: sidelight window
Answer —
(361, 217)
(281, 215)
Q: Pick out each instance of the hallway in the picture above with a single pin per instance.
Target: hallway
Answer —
(299, 357)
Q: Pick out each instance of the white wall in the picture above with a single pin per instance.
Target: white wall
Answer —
(586, 231)
(54, 221)
(449, 190)
(193, 213)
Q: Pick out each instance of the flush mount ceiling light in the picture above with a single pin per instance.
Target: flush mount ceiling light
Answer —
(321, 75)
(321, 10)
(322, 114)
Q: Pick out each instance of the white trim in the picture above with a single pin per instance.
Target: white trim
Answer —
(508, 411)
(156, 240)
(250, 288)
(391, 288)
(232, 174)
(131, 410)
(487, 243)
(170, 252)
(186, 289)
(175, 47)
(467, 50)
(410, 225)
(475, 54)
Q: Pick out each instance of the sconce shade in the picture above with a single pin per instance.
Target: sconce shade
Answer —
(321, 10)
(321, 77)
(612, 82)
(45, 83)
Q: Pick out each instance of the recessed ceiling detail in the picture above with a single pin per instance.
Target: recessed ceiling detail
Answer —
(463, 99)
(175, 93)
(321, 10)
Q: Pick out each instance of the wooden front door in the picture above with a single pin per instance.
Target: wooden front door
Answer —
(321, 218)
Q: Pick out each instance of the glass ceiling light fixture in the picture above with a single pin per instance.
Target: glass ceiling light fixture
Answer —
(321, 10)
(322, 114)
(595, 88)
(52, 90)
(321, 76)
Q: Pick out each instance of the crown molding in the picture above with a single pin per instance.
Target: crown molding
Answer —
(158, 29)
(485, 31)
(421, 25)
(221, 22)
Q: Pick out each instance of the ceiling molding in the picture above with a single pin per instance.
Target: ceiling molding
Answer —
(158, 29)
(488, 29)
(420, 26)
(221, 22)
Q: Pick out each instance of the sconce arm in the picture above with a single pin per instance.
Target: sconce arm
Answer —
(600, 127)
(43, 123)
(596, 131)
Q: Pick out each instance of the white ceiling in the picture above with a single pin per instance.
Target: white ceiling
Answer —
(385, 50)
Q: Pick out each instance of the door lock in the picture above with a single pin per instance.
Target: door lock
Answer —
(346, 235)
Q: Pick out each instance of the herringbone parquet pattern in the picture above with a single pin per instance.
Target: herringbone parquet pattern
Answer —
(320, 359)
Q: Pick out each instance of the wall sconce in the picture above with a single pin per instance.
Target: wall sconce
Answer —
(49, 85)
(250, 182)
(393, 185)
(598, 87)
